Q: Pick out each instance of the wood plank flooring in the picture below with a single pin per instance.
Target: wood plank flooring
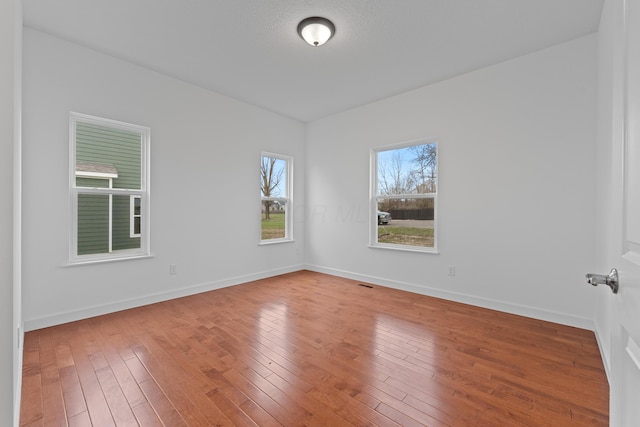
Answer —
(317, 350)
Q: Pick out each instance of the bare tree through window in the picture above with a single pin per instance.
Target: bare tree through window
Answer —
(275, 178)
(271, 175)
(405, 195)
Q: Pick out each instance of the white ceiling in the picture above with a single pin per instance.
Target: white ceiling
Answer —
(250, 50)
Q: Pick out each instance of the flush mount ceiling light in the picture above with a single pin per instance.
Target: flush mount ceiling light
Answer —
(316, 30)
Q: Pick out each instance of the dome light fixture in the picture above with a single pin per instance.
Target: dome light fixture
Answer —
(316, 30)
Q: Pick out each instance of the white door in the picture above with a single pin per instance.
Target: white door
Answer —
(625, 252)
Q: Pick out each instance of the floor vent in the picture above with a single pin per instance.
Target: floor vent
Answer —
(365, 286)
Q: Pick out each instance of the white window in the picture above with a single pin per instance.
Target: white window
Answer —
(404, 196)
(109, 183)
(275, 198)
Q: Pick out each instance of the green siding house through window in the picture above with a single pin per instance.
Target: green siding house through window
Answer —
(106, 158)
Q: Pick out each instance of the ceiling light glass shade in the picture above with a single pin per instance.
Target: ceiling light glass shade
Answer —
(315, 30)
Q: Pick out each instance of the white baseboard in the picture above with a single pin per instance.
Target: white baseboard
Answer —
(98, 310)
(521, 310)
(604, 354)
(536, 313)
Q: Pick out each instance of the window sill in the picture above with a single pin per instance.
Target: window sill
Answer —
(274, 242)
(402, 248)
(90, 261)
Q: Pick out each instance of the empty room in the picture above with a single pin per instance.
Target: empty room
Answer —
(320, 212)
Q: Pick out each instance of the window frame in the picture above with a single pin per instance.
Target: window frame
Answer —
(287, 200)
(144, 192)
(374, 197)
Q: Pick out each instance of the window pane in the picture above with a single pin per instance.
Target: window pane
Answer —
(109, 153)
(121, 224)
(406, 222)
(273, 220)
(273, 177)
(93, 224)
(136, 212)
(408, 170)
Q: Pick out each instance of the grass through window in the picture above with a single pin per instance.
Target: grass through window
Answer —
(274, 227)
(411, 236)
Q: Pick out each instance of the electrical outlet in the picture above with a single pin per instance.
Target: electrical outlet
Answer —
(173, 269)
(452, 270)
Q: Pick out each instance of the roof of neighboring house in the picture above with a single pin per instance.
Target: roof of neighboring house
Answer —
(86, 168)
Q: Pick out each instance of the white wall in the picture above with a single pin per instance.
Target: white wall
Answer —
(517, 159)
(6, 211)
(517, 179)
(10, 355)
(205, 151)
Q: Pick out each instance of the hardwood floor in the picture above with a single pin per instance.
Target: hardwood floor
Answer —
(311, 349)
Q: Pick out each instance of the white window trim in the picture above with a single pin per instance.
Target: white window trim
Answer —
(143, 192)
(288, 201)
(373, 198)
